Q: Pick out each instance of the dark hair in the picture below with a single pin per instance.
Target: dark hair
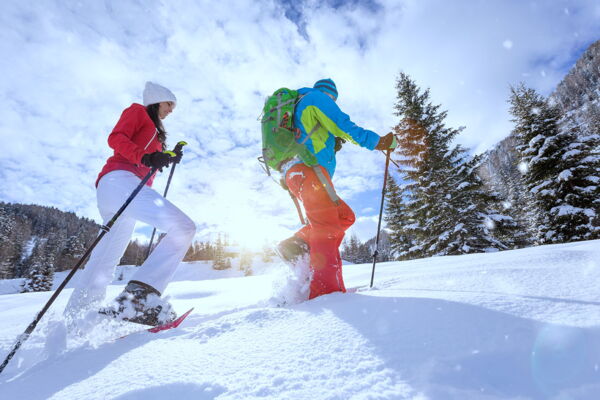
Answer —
(152, 110)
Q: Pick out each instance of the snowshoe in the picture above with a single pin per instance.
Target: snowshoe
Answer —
(292, 250)
(142, 304)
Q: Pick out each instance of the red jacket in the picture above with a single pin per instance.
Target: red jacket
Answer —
(132, 137)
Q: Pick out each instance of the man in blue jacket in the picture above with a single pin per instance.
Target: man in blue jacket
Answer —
(322, 126)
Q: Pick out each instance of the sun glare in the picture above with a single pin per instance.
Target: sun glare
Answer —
(253, 233)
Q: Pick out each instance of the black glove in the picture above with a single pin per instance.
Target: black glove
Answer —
(177, 158)
(157, 160)
(338, 143)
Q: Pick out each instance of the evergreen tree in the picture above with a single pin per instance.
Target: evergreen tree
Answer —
(560, 168)
(344, 252)
(73, 250)
(517, 202)
(485, 227)
(396, 219)
(7, 245)
(577, 212)
(447, 210)
(191, 253)
(352, 254)
(219, 259)
(41, 273)
(365, 254)
(135, 253)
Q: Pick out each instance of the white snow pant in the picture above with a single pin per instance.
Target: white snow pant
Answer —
(149, 207)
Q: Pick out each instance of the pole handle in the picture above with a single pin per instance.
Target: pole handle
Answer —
(180, 145)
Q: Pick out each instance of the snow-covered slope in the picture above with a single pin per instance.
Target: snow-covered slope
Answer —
(520, 324)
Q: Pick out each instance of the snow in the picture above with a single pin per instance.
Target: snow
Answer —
(570, 154)
(523, 167)
(538, 188)
(28, 248)
(565, 175)
(521, 324)
(563, 210)
(489, 223)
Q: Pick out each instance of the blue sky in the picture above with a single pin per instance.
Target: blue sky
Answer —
(71, 67)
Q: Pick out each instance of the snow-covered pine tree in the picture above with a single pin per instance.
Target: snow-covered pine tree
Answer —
(517, 203)
(190, 254)
(345, 248)
(577, 215)
(446, 206)
(485, 223)
(354, 255)
(41, 273)
(351, 249)
(365, 253)
(7, 251)
(135, 253)
(72, 250)
(535, 121)
(359, 253)
(396, 220)
(560, 168)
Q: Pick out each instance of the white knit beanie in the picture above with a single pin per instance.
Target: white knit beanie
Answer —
(154, 93)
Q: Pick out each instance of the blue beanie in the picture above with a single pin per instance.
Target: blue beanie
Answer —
(327, 86)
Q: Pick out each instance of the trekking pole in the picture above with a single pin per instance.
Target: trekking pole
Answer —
(105, 229)
(376, 252)
(177, 149)
(295, 200)
(392, 161)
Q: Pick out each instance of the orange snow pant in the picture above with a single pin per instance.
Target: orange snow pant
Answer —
(327, 223)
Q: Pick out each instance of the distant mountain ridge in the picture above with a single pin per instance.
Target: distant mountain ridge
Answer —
(580, 88)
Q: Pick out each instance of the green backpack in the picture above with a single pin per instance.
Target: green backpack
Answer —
(278, 133)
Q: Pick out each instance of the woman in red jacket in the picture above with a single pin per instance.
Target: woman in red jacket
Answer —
(138, 140)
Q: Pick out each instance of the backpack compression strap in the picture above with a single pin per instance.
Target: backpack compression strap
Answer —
(328, 187)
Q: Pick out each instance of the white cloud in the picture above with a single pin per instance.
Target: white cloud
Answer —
(365, 227)
(70, 68)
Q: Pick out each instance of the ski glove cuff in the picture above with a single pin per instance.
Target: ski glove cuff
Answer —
(157, 160)
(387, 142)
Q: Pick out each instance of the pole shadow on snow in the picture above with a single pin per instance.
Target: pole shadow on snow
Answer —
(78, 364)
(446, 349)
(183, 390)
(192, 295)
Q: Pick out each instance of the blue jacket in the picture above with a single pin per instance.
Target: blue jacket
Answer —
(315, 106)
